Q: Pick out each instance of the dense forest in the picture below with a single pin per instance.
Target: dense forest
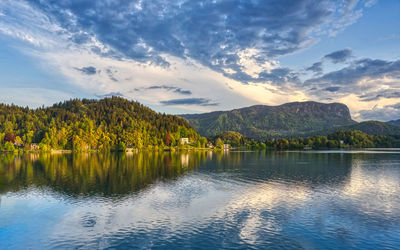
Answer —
(107, 124)
(118, 124)
(338, 139)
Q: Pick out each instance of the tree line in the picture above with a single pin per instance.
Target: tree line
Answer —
(338, 139)
(117, 124)
(107, 124)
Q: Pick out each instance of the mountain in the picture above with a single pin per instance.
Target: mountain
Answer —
(394, 122)
(110, 123)
(368, 127)
(261, 121)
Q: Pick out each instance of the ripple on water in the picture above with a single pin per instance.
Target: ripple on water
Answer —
(88, 220)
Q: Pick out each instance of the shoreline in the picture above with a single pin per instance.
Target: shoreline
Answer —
(69, 151)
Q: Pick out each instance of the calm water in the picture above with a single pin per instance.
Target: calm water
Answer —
(204, 200)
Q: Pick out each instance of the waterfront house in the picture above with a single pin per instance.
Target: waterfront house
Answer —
(184, 140)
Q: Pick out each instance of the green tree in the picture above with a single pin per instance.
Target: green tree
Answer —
(219, 143)
(9, 146)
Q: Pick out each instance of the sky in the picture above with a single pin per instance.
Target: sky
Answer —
(194, 56)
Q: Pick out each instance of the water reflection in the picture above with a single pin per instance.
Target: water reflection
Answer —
(92, 174)
(120, 174)
(314, 169)
(289, 200)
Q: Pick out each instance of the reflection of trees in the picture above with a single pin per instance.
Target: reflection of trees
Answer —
(93, 174)
(312, 168)
(118, 174)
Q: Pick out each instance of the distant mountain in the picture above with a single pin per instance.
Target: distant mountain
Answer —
(260, 121)
(368, 127)
(394, 122)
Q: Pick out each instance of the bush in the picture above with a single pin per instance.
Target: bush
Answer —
(9, 146)
(44, 147)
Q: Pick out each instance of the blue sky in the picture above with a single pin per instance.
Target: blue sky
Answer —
(197, 56)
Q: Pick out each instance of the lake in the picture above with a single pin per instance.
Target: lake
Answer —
(201, 200)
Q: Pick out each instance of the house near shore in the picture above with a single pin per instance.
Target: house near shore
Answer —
(226, 146)
(184, 140)
(210, 145)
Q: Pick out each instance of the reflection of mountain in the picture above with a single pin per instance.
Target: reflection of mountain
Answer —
(92, 174)
(312, 168)
(286, 199)
(120, 174)
(270, 204)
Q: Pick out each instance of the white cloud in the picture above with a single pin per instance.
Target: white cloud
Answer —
(248, 60)
(58, 53)
(55, 45)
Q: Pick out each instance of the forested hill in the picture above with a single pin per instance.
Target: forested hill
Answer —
(394, 122)
(110, 123)
(368, 127)
(260, 121)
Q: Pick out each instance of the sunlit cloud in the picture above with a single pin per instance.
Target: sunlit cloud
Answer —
(212, 52)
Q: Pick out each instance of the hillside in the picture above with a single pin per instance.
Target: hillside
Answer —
(260, 121)
(394, 122)
(368, 127)
(110, 123)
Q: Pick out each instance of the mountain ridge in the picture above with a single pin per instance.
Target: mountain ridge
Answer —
(263, 121)
(394, 122)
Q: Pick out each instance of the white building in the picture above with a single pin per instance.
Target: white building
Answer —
(184, 140)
